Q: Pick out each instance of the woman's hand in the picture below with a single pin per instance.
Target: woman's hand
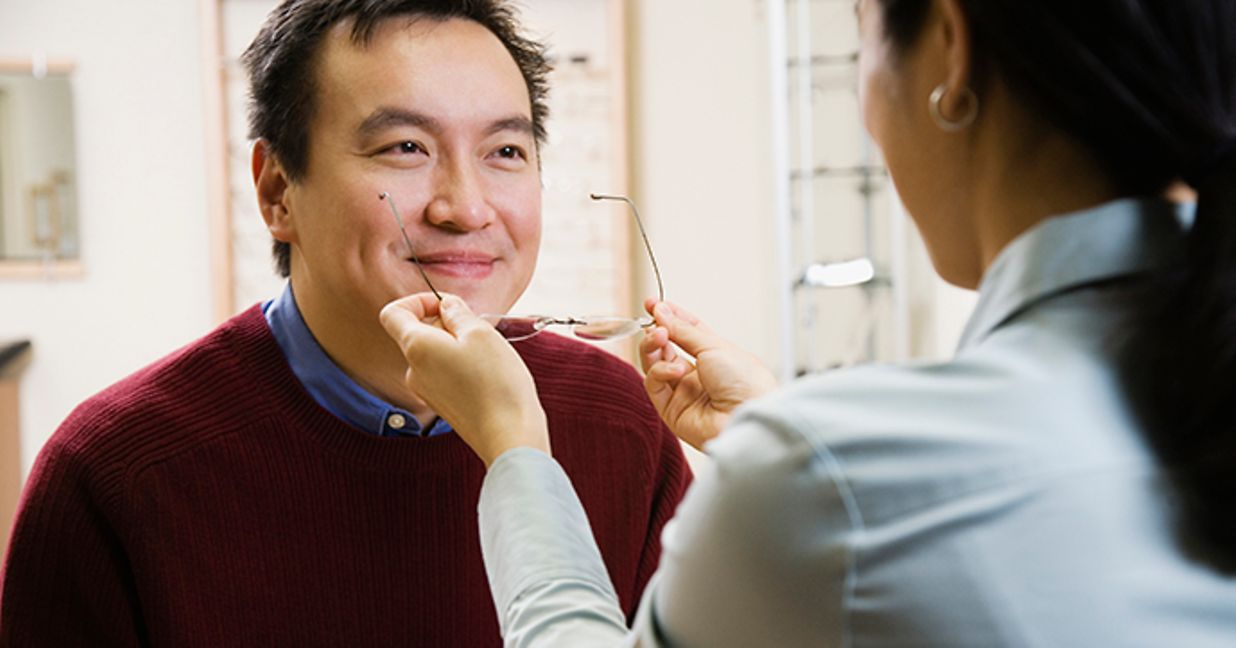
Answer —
(696, 399)
(467, 373)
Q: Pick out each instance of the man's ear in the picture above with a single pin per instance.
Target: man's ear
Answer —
(272, 184)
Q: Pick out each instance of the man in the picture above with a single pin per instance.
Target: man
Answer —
(274, 482)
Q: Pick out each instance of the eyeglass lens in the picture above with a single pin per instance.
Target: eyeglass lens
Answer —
(516, 328)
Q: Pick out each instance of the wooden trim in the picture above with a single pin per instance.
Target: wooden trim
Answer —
(625, 235)
(218, 203)
(21, 65)
(619, 163)
(10, 457)
(10, 269)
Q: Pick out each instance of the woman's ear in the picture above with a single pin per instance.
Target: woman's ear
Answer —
(271, 181)
(954, 35)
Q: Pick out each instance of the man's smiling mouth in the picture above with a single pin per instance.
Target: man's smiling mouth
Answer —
(459, 263)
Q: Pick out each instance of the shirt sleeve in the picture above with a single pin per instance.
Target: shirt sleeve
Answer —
(549, 584)
(757, 555)
(671, 477)
(760, 551)
(65, 580)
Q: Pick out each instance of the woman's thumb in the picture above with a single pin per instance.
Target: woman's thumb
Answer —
(398, 322)
(456, 316)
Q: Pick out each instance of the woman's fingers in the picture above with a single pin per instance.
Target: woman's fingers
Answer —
(423, 306)
(668, 384)
(468, 374)
(409, 318)
(655, 347)
(660, 393)
(650, 305)
(663, 380)
(687, 331)
(669, 372)
(458, 319)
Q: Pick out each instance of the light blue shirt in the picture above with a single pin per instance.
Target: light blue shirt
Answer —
(333, 389)
(1003, 498)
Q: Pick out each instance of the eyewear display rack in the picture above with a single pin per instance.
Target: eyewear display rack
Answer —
(841, 232)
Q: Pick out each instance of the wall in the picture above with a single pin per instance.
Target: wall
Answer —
(701, 132)
(141, 184)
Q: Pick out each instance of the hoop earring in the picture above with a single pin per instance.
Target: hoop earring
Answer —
(945, 124)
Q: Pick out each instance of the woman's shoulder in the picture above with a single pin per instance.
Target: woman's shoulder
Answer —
(1011, 386)
(901, 436)
(920, 395)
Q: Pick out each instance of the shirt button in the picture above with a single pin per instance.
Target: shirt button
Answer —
(396, 421)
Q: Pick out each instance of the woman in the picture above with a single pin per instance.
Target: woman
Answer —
(1064, 480)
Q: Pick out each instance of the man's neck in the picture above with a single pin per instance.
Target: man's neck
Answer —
(364, 352)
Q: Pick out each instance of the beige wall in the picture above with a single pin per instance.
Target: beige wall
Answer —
(141, 183)
(701, 146)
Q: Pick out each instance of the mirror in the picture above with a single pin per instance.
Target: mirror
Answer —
(38, 195)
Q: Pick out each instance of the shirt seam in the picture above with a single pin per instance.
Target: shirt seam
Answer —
(853, 512)
(558, 575)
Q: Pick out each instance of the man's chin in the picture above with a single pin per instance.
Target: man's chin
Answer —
(479, 304)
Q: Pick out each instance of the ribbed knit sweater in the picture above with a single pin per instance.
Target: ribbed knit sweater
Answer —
(208, 500)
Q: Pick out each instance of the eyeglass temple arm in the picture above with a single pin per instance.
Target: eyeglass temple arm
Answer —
(399, 221)
(642, 233)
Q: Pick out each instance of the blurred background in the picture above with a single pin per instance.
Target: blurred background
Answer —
(130, 227)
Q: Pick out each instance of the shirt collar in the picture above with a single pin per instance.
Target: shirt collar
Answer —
(1116, 239)
(328, 384)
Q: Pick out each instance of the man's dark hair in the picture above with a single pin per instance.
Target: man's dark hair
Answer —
(282, 67)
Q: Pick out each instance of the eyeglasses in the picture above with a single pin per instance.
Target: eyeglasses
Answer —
(407, 241)
(521, 327)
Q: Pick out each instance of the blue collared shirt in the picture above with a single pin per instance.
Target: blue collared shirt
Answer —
(329, 385)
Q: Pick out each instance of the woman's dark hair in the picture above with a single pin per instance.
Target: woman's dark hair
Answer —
(282, 60)
(1150, 87)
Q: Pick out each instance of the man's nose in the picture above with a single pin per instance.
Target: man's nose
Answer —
(459, 202)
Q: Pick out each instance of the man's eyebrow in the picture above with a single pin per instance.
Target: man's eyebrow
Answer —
(389, 117)
(519, 124)
(384, 118)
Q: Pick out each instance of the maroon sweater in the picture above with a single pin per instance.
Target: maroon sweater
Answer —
(207, 500)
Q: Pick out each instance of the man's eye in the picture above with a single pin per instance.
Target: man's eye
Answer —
(511, 152)
(407, 148)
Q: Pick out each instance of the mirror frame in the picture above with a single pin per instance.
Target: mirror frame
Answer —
(56, 268)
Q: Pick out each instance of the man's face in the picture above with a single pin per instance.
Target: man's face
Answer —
(437, 115)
